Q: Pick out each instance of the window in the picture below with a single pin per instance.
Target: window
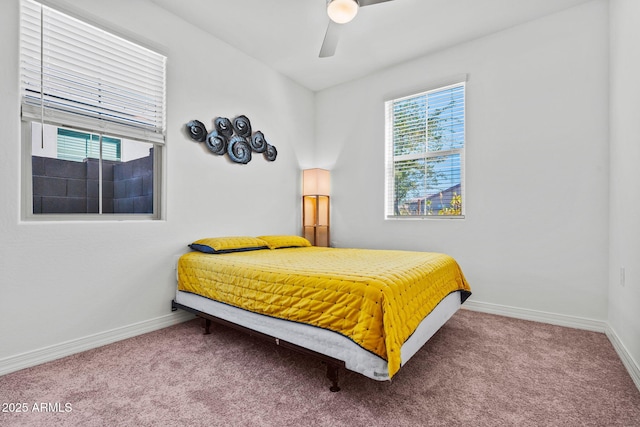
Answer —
(425, 138)
(78, 146)
(93, 114)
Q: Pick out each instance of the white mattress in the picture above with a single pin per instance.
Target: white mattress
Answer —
(324, 341)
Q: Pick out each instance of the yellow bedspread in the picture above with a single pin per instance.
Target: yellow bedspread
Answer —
(375, 297)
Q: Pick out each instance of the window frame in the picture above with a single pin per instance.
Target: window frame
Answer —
(391, 159)
(156, 139)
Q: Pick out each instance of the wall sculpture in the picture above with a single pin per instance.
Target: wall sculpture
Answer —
(235, 139)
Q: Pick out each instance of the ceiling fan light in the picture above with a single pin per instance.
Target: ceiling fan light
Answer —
(342, 11)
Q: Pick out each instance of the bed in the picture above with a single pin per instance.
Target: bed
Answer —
(368, 311)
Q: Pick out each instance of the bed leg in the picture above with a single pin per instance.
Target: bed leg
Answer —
(332, 374)
(206, 324)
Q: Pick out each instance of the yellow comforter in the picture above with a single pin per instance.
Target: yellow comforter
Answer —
(375, 297)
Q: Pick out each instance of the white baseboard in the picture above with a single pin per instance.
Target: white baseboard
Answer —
(562, 320)
(538, 316)
(627, 360)
(57, 351)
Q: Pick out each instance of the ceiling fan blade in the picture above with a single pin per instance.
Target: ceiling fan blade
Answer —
(364, 3)
(330, 42)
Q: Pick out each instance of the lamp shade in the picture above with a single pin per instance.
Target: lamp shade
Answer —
(342, 11)
(316, 182)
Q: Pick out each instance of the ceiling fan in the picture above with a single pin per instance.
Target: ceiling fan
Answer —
(340, 12)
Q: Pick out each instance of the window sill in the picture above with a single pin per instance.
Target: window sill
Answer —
(89, 218)
(424, 217)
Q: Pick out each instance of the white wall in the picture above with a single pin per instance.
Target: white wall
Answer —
(66, 281)
(535, 234)
(624, 301)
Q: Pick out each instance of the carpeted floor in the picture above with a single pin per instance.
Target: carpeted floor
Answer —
(478, 370)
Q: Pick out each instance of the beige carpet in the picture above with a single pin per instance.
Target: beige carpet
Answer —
(479, 370)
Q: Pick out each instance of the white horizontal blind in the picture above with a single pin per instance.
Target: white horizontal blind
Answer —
(80, 76)
(425, 136)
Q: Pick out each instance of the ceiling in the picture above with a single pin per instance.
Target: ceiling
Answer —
(287, 34)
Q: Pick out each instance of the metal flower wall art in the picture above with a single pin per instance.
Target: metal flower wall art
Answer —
(235, 139)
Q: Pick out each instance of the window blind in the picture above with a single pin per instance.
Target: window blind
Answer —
(80, 76)
(425, 136)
